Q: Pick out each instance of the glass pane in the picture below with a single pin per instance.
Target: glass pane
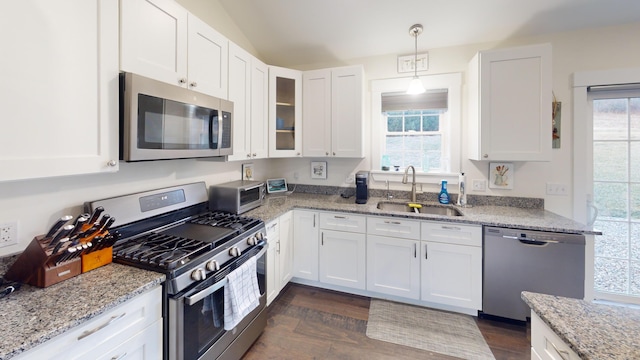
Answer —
(635, 241)
(430, 123)
(394, 124)
(604, 168)
(611, 200)
(413, 143)
(432, 142)
(611, 275)
(614, 241)
(412, 123)
(635, 278)
(610, 119)
(634, 118)
(634, 162)
(634, 206)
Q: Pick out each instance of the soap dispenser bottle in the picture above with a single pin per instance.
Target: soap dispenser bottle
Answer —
(444, 198)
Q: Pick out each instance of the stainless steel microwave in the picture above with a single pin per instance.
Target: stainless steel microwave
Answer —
(237, 196)
(160, 121)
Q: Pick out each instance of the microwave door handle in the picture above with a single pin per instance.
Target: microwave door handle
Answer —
(214, 129)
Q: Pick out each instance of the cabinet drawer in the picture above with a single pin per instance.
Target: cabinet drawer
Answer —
(343, 222)
(121, 322)
(452, 233)
(547, 344)
(394, 227)
(273, 230)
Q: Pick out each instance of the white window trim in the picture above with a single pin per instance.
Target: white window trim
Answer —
(453, 83)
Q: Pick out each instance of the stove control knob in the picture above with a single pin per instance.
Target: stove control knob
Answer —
(260, 236)
(252, 240)
(198, 274)
(234, 251)
(212, 265)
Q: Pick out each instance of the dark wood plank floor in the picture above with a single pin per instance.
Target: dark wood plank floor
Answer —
(310, 323)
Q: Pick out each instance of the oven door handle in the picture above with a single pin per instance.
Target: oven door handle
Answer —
(190, 300)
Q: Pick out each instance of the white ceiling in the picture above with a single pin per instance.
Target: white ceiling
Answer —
(298, 32)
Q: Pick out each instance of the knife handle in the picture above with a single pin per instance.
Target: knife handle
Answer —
(80, 222)
(62, 233)
(94, 217)
(58, 224)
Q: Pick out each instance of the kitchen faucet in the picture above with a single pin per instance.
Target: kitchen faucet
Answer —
(413, 183)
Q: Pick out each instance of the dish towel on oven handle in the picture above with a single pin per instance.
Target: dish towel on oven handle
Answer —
(241, 293)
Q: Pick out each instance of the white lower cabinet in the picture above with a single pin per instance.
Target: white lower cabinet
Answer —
(305, 244)
(342, 259)
(279, 255)
(546, 344)
(451, 271)
(132, 330)
(393, 260)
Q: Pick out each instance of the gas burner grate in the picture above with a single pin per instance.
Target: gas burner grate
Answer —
(225, 220)
(161, 250)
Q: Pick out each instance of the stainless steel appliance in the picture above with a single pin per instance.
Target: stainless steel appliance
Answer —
(163, 121)
(524, 260)
(171, 230)
(237, 196)
(362, 187)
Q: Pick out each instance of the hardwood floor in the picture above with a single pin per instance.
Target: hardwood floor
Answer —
(310, 323)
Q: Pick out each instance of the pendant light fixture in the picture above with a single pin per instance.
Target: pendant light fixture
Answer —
(415, 87)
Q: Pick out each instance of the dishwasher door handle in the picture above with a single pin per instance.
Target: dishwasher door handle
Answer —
(532, 242)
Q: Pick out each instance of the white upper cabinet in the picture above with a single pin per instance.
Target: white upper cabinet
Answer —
(510, 100)
(333, 112)
(248, 89)
(285, 112)
(59, 94)
(163, 41)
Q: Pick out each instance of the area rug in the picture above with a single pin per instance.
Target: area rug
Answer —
(427, 329)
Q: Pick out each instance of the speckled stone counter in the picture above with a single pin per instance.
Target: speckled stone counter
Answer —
(502, 216)
(593, 331)
(31, 315)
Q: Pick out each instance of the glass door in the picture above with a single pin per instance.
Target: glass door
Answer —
(285, 112)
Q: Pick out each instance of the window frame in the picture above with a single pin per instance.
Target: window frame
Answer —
(452, 82)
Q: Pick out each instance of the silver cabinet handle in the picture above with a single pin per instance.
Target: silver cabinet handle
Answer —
(339, 217)
(95, 330)
(112, 163)
(119, 357)
(182, 81)
(314, 220)
(193, 84)
(485, 156)
(426, 253)
(322, 239)
(563, 353)
(255, 154)
(450, 228)
(415, 250)
(393, 222)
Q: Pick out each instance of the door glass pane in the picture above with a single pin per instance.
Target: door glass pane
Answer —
(634, 161)
(634, 118)
(611, 200)
(634, 205)
(610, 119)
(604, 169)
(613, 243)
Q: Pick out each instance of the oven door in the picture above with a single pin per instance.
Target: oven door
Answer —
(196, 316)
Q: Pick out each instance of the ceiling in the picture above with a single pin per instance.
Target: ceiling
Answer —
(299, 32)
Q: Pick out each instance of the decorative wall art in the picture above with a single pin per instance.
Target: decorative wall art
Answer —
(247, 171)
(556, 116)
(318, 169)
(501, 175)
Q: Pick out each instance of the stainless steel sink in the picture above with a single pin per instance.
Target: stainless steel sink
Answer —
(425, 209)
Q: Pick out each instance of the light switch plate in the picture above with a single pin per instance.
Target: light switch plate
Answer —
(479, 185)
(405, 63)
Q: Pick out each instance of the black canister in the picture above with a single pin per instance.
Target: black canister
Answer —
(362, 187)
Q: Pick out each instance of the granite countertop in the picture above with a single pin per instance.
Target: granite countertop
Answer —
(501, 216)
(593, 331)
(31, 315)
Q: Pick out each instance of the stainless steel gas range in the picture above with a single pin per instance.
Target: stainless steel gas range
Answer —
(171, 230)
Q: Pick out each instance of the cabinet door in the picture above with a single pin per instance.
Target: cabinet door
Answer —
(510, 92)
(259, 109)
(393, 266)
(153, 36)
(286, 249)
(342, 258)
(347, 103)
(145, 345)
(316, 113)
(240, 94)
(59, 97)
(546, 344)
(452, 274)
(285, 112)
(273, 260)
(207, 59)
(305, 245)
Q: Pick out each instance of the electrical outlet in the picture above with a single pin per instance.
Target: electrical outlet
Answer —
(351, 178)
(479, 185)
(296, 176)
(8, 233)
(557, 189)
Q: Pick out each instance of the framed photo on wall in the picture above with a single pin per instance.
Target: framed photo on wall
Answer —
(318, 169)
(247, 171)
(501, 175)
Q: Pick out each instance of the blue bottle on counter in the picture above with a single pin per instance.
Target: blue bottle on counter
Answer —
(444, 197)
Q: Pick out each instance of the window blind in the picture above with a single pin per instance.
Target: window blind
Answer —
(432, 99)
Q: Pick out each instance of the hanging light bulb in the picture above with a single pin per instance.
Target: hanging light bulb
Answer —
(415, 86)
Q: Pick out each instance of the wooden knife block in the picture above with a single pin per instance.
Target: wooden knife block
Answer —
(35, 266)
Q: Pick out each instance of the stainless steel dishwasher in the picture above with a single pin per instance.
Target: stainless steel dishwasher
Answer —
(523, 260)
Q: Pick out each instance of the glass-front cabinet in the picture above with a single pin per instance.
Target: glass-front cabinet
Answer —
(285, 112)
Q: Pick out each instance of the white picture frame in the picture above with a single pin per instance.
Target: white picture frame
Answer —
(501, 175)
(319, 170)
(247, 171)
